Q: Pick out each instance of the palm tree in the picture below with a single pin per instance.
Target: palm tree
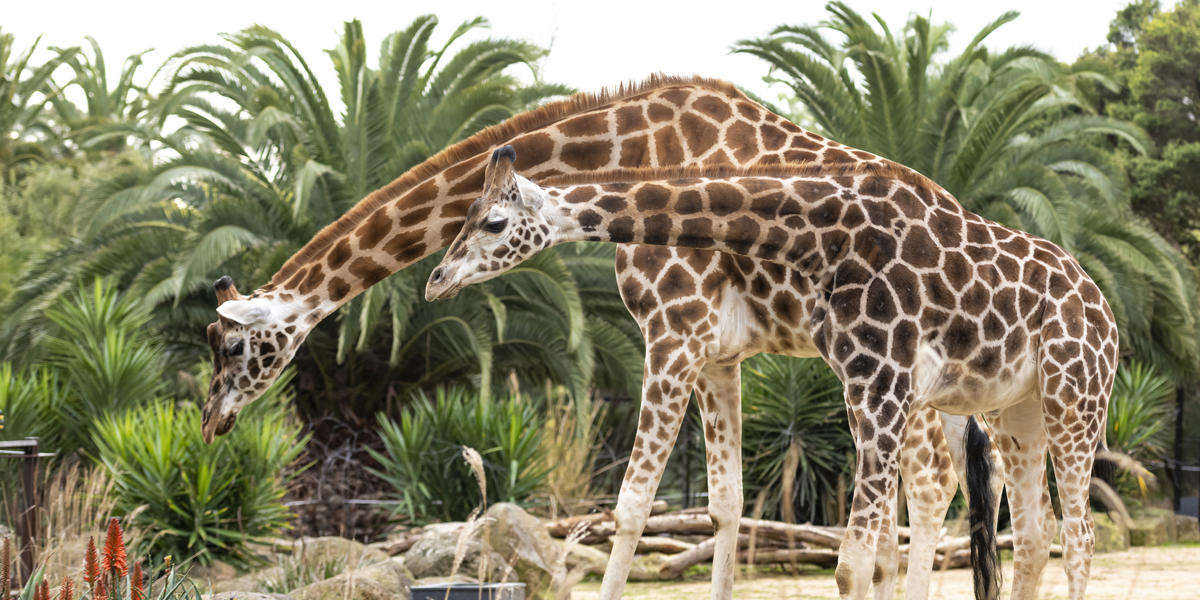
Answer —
(1011, 137)
(108, 113)
(23, 96)
(264, 161)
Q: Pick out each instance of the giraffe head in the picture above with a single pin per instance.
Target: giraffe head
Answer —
(505, 226)
(252, 340)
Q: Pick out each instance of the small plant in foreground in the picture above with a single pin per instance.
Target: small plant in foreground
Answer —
(108, 574)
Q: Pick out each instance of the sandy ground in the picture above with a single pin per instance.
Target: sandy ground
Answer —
(1164, 572)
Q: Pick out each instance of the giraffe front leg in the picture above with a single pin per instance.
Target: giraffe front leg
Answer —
(718, 391)
(887, 554)
(664, 402)
(877, 418)
(927, 470)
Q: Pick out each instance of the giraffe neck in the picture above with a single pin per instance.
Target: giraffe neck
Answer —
(681, 123)
(801, 218)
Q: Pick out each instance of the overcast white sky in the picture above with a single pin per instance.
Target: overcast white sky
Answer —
(594, 44)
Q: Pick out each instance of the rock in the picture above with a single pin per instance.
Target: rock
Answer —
(215, 571)
(1109, 536)
(1187, 529)
(234, 595)
(433, 556)
(523, 540)
(252, 582)
(320, 551)
(1165, 515)
(386, 580)
(1148, 532)
(588, 559)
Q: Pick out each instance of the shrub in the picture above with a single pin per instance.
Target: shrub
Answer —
(792, 405)
(1139, 411)
(422, 453)
(200, 500)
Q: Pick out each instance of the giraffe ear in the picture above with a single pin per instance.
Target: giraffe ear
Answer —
(245, 312)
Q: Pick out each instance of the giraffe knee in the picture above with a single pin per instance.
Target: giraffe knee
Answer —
(723, 515)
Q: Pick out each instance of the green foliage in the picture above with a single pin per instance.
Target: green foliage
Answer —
(1139, 411)
(422, 458)
(100, 361)
(1014, 136)
(202, 501)
(794, 405)
(22, 97)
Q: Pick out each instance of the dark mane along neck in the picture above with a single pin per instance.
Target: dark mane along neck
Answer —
(481, 142)
(889, 169)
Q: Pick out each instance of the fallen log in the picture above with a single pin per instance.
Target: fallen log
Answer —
(664, 545)
(808, 556)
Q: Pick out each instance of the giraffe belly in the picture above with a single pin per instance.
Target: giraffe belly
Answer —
(952, 386)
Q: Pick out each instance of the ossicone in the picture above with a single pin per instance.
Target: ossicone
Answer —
(225, 290)
(504, 152)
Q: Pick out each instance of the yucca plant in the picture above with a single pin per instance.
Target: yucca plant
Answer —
(794, 418)
(422, 462)
(1139, 411)
(202, 501)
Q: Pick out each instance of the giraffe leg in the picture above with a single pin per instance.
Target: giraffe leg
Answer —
(887, 555)
(927, 470)
(718, 391)
(1072, 450)
(1021, 437)
(664, 402)
(877, 422)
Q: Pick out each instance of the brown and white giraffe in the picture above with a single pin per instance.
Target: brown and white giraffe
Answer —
(663, 122)
(921, 304)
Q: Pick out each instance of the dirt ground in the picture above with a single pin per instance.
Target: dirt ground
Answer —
(1163, 572)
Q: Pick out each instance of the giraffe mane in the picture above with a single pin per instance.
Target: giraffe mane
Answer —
(542, 116)
(888, 169)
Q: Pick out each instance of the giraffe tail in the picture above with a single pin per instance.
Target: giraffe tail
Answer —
(982, 510)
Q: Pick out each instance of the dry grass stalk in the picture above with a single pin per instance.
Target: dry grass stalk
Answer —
(569, 443)
(78, 502)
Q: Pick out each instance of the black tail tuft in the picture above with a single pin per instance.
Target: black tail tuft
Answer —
(982, 510)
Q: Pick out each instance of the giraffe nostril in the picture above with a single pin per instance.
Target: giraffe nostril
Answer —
(436, 277)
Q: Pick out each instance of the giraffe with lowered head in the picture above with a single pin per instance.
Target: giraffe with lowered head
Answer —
(663, 122)
(921, 304)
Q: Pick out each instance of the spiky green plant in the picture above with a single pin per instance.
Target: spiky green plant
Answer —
(1139, 411)
(792, 405)
(422, 452)
(202, 501)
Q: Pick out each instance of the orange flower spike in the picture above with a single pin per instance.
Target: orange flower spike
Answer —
(67, 590)
(5, 573)
(100, 593)
(139, 590)
(91, 565)
(114, 550)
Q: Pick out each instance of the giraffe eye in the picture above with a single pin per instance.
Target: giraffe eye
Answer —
(495, 225)
(236, 349)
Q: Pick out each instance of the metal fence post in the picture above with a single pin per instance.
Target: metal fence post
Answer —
(28, 522)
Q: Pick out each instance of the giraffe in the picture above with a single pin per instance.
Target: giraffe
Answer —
(921, 304)
(662, 122)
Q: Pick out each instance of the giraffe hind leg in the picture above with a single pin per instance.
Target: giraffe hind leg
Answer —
(927, 470)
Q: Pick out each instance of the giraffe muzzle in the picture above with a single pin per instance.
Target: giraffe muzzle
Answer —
(441, 287)
(215, 426)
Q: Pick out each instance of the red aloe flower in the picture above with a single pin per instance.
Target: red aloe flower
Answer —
(139, 591)
(100, 593)
(114, 549)
(67, 590)
(91, 566)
